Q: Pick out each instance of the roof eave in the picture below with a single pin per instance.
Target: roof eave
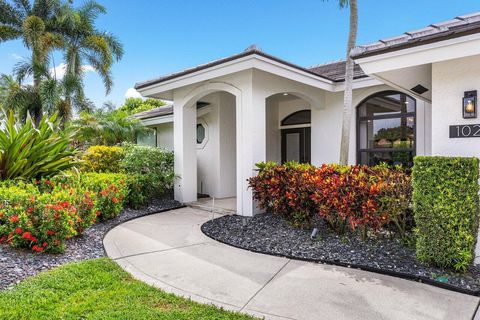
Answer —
(447, 35)
(217, 63)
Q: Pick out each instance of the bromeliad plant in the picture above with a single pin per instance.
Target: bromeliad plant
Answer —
(29, 152)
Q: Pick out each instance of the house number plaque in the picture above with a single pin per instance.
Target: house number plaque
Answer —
(465, 131)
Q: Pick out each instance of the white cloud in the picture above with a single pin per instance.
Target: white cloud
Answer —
(88, 68)
(15, 56)
(60, 70)
(132, 93)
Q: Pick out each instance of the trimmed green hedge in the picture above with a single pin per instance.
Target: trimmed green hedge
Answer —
(446, 207)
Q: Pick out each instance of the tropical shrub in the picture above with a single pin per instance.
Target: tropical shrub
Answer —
(355, 197)
(150, 172)
(39, 221)
(362, 197)
(30, 152)
(69, 188)
(136, 105)
(102, 159)
(107, 127)
(446, 208)
(110, 189)
(42, 215)
(285, 190)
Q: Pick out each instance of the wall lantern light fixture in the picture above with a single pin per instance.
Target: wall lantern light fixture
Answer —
(469, 104)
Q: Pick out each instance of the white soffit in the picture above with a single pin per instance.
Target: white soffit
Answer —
(430, 53)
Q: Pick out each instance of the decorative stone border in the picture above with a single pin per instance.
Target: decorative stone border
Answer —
(403, 275)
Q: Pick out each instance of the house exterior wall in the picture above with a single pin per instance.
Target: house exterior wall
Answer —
(227, 161)
(207, 153)
(449, 81)
(165, 135)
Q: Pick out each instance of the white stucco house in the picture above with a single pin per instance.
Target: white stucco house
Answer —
(413, 95)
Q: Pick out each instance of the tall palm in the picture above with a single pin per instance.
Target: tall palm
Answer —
(347, 98)
(83, 43)
(34, 24)
(22, 99)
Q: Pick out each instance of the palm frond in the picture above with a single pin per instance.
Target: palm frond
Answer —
(23, 6)
(9, 33)
(90, 10)
(10, 15)
(49, 92)
(23, 70)
(114, 44)
(103, 71)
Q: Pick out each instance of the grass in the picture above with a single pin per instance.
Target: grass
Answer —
(98, 289)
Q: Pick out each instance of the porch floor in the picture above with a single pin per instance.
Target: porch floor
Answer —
(221, 206)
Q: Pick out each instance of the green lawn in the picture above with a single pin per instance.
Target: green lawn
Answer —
(98, 289)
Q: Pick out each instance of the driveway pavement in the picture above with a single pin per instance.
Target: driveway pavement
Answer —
(168, 250)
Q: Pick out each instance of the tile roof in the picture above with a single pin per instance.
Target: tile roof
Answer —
(457, 27)
(156, 112)
(317, 70)
(335, 71)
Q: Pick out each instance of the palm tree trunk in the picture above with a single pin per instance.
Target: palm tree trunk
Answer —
(37, 112)
(347, 99)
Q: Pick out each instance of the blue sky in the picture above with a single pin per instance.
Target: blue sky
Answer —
(163, 36)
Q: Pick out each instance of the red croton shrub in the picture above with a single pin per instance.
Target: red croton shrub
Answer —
(285, 190)
(345, 196)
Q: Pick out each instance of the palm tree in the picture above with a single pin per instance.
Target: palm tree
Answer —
(23, 99)
(347, 98)
(107, 127)
(84, 43)
(34, 23)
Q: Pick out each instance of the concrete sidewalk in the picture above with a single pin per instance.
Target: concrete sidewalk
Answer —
(169, 251)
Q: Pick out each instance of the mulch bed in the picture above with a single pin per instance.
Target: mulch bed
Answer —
(16, 265)
(269, 234)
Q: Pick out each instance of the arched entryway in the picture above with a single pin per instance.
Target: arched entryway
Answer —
(288, 128)
(206, 143)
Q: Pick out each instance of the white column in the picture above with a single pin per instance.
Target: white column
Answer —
(184, 140)
(251, 145)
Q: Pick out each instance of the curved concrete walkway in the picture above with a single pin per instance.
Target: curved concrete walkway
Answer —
(169, 251)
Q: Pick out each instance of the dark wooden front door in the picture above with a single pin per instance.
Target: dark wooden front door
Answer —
(296, 145)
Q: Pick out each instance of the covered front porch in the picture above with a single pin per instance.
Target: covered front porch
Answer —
(243, 127)
(232, 113)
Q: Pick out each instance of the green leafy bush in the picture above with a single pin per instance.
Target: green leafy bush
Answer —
(31, 153)
(39, 221)
(445, 203)
(102, 159)
(136, 105)
(42, 215)
(107, 127)
(110, 189)
(150, 172)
